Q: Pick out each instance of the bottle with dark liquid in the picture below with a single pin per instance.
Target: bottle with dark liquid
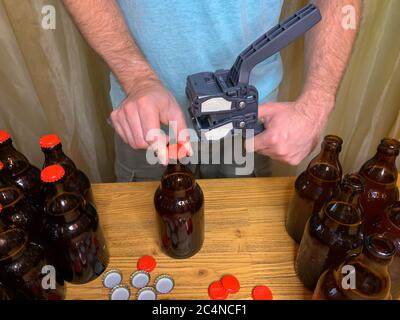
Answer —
(179, 204)
(3, 293)
(22, 266)
(332, 233)
(314, 186)
(388, 225)
(371, 275)
(75, 179)
(380, 174)
(19, 212)
(21, 173)
(72, 230)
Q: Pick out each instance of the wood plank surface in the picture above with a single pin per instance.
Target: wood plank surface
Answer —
(244, 235)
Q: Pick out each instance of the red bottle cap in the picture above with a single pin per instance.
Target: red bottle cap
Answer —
(216, 291)
(262, 293)
(177, 151)
(1, 165)
(49, 141)
(4, 136)
(230, 283)
(52, 173)
(146, 263)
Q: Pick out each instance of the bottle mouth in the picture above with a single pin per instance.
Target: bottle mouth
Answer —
(178, 181)
(333, 142)
(389, 146)
(354, 182)
(380, 247)
(344, 214)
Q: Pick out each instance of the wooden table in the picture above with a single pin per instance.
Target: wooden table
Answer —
(244, 235)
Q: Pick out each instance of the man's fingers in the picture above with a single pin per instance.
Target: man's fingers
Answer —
(117, 125)
(159, 145)
(135, 127)
(179, 126)
(150, 121)
(266, 110)
(127, 131)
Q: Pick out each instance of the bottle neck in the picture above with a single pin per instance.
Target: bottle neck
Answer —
(177, 180)
(383, 157)
(348, 195)
(63, 205)
(326, 166)
(56, 155)
(13, 154)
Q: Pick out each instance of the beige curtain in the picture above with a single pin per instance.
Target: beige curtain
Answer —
(50, 81)
(368, 102)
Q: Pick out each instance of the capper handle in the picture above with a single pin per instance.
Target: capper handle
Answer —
(273, 41)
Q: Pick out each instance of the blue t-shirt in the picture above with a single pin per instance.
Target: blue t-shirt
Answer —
(182, 37)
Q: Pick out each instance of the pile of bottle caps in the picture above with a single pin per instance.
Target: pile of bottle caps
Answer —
(140, 280)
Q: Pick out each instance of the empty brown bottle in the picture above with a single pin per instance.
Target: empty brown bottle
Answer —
(19, 212)
(21, 173)
(362, 277)
(22, 268)
(75, 179)
(72, 230)
(314, 186)
(380, 174)
(179, 203)
(388, 225)
(332, 233)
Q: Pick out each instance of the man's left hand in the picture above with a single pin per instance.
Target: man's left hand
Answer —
(291, 134)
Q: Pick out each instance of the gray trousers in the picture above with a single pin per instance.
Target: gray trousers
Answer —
(131, 165)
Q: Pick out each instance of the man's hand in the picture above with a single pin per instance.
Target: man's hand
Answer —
(291, 134)
(148, 105)
(293, 128)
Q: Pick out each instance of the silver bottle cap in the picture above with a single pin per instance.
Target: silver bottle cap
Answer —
(146, 293)
(112, 278)
(139, 279)
(164, 284)
(120, 292)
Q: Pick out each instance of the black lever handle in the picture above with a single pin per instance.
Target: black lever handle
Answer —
(273, 41)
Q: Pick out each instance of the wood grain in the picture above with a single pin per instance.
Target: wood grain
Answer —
(244, 235)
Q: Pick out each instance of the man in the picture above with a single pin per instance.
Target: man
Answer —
(151, 46)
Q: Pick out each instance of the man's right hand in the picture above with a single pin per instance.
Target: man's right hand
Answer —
(147, 105)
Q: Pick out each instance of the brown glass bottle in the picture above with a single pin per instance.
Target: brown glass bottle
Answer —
(331, 233)
(21, 267)
(19, 212)
(388, 225)
(380, 174)
(179, 204)
(372, 279)
(22, 174)
(314, 186)
(75, 179)
(72, 230)
(4, 295)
